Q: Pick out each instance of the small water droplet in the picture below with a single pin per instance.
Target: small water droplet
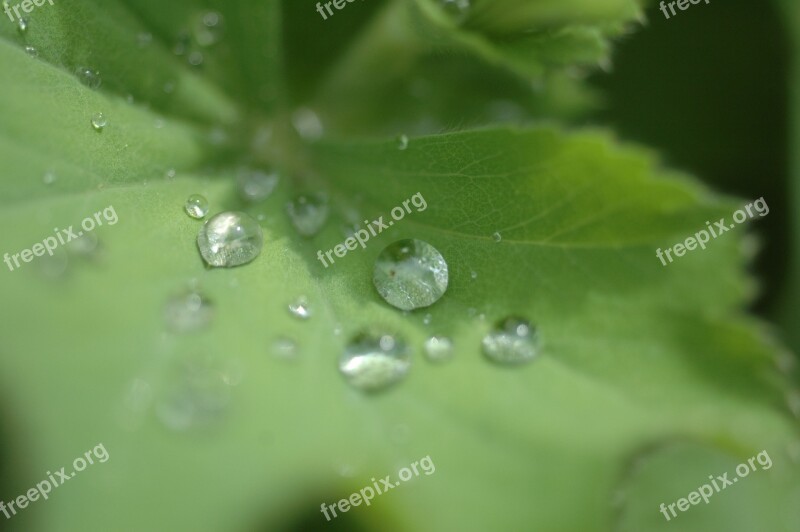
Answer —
(300, 308)
(196, 396)
(427, 319)
(230, 239)
(188, 312)
(208, 28)
(410, 274)
(457, 9)
(99, 121)
(196, 206)
(438, 348)
(196, 58)
(169, 87)
(512, 341)
(89, 77)
(49, 178)
(31, 51)
(284, 348)
(22, 25)
(308, 213)
(473, 274)
(307, 124)
(256, 185)
(170, 174)
(497, 236)
(158, 124)
(402, 142)
(373, 362)
(183, 42)
(85, 244)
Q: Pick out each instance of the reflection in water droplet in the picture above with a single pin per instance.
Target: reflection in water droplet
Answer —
(188, 312)
(373, 362)
(300, 309)
(308, 213)
(99, 121)
(256, 185)
(512, 341)
(410, 274)
(438, 348)
(230, 239)
(196, 206)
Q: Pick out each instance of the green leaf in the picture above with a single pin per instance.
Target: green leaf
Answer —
(209, 430)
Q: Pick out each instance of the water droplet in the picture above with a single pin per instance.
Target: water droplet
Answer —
(99, 121)
(230, 239)
(85, 244)
(170, 174)
(307, 124)
(196, 58)
(308, 213)
(31, 51)
(22, 25)
(513, 341)
(196, 206)
(457, 9)
(373, 362)
(410, 274)
(256, 185)
(49, 178)
(158, 124)
(402, 142)
(144, 39)
(427, 319)
(438, 348)
(196, 395)
(183, 42)
(188, 312)
(285, 348)
(300, 309)
(208, 28)
(473, 274)
(497, 236)
(89, 77)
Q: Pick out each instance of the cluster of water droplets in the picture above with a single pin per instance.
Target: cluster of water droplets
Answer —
(206, 29)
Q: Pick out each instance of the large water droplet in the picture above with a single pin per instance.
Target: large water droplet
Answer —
(457, 9)
(300, 308)
(196, 206)
(308, 213)
(256, 185)
(410, 274)
(99, 121)
(230, 239)
(512, 341)
(188, 312)
(438, 348)
(89, 77)
(373, 362)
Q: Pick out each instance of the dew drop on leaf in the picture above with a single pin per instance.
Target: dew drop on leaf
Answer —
(99, 121)
(89, 77)
(31, 51)
(402, 142)
(438, 348)
(308, 213)
(372, 362)
(230, 239)
(188, 312)
(284, 348)
(410, 274)
(196, 206)
(299, 308)
(497, 236)
(512, 341)
(256, 185)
